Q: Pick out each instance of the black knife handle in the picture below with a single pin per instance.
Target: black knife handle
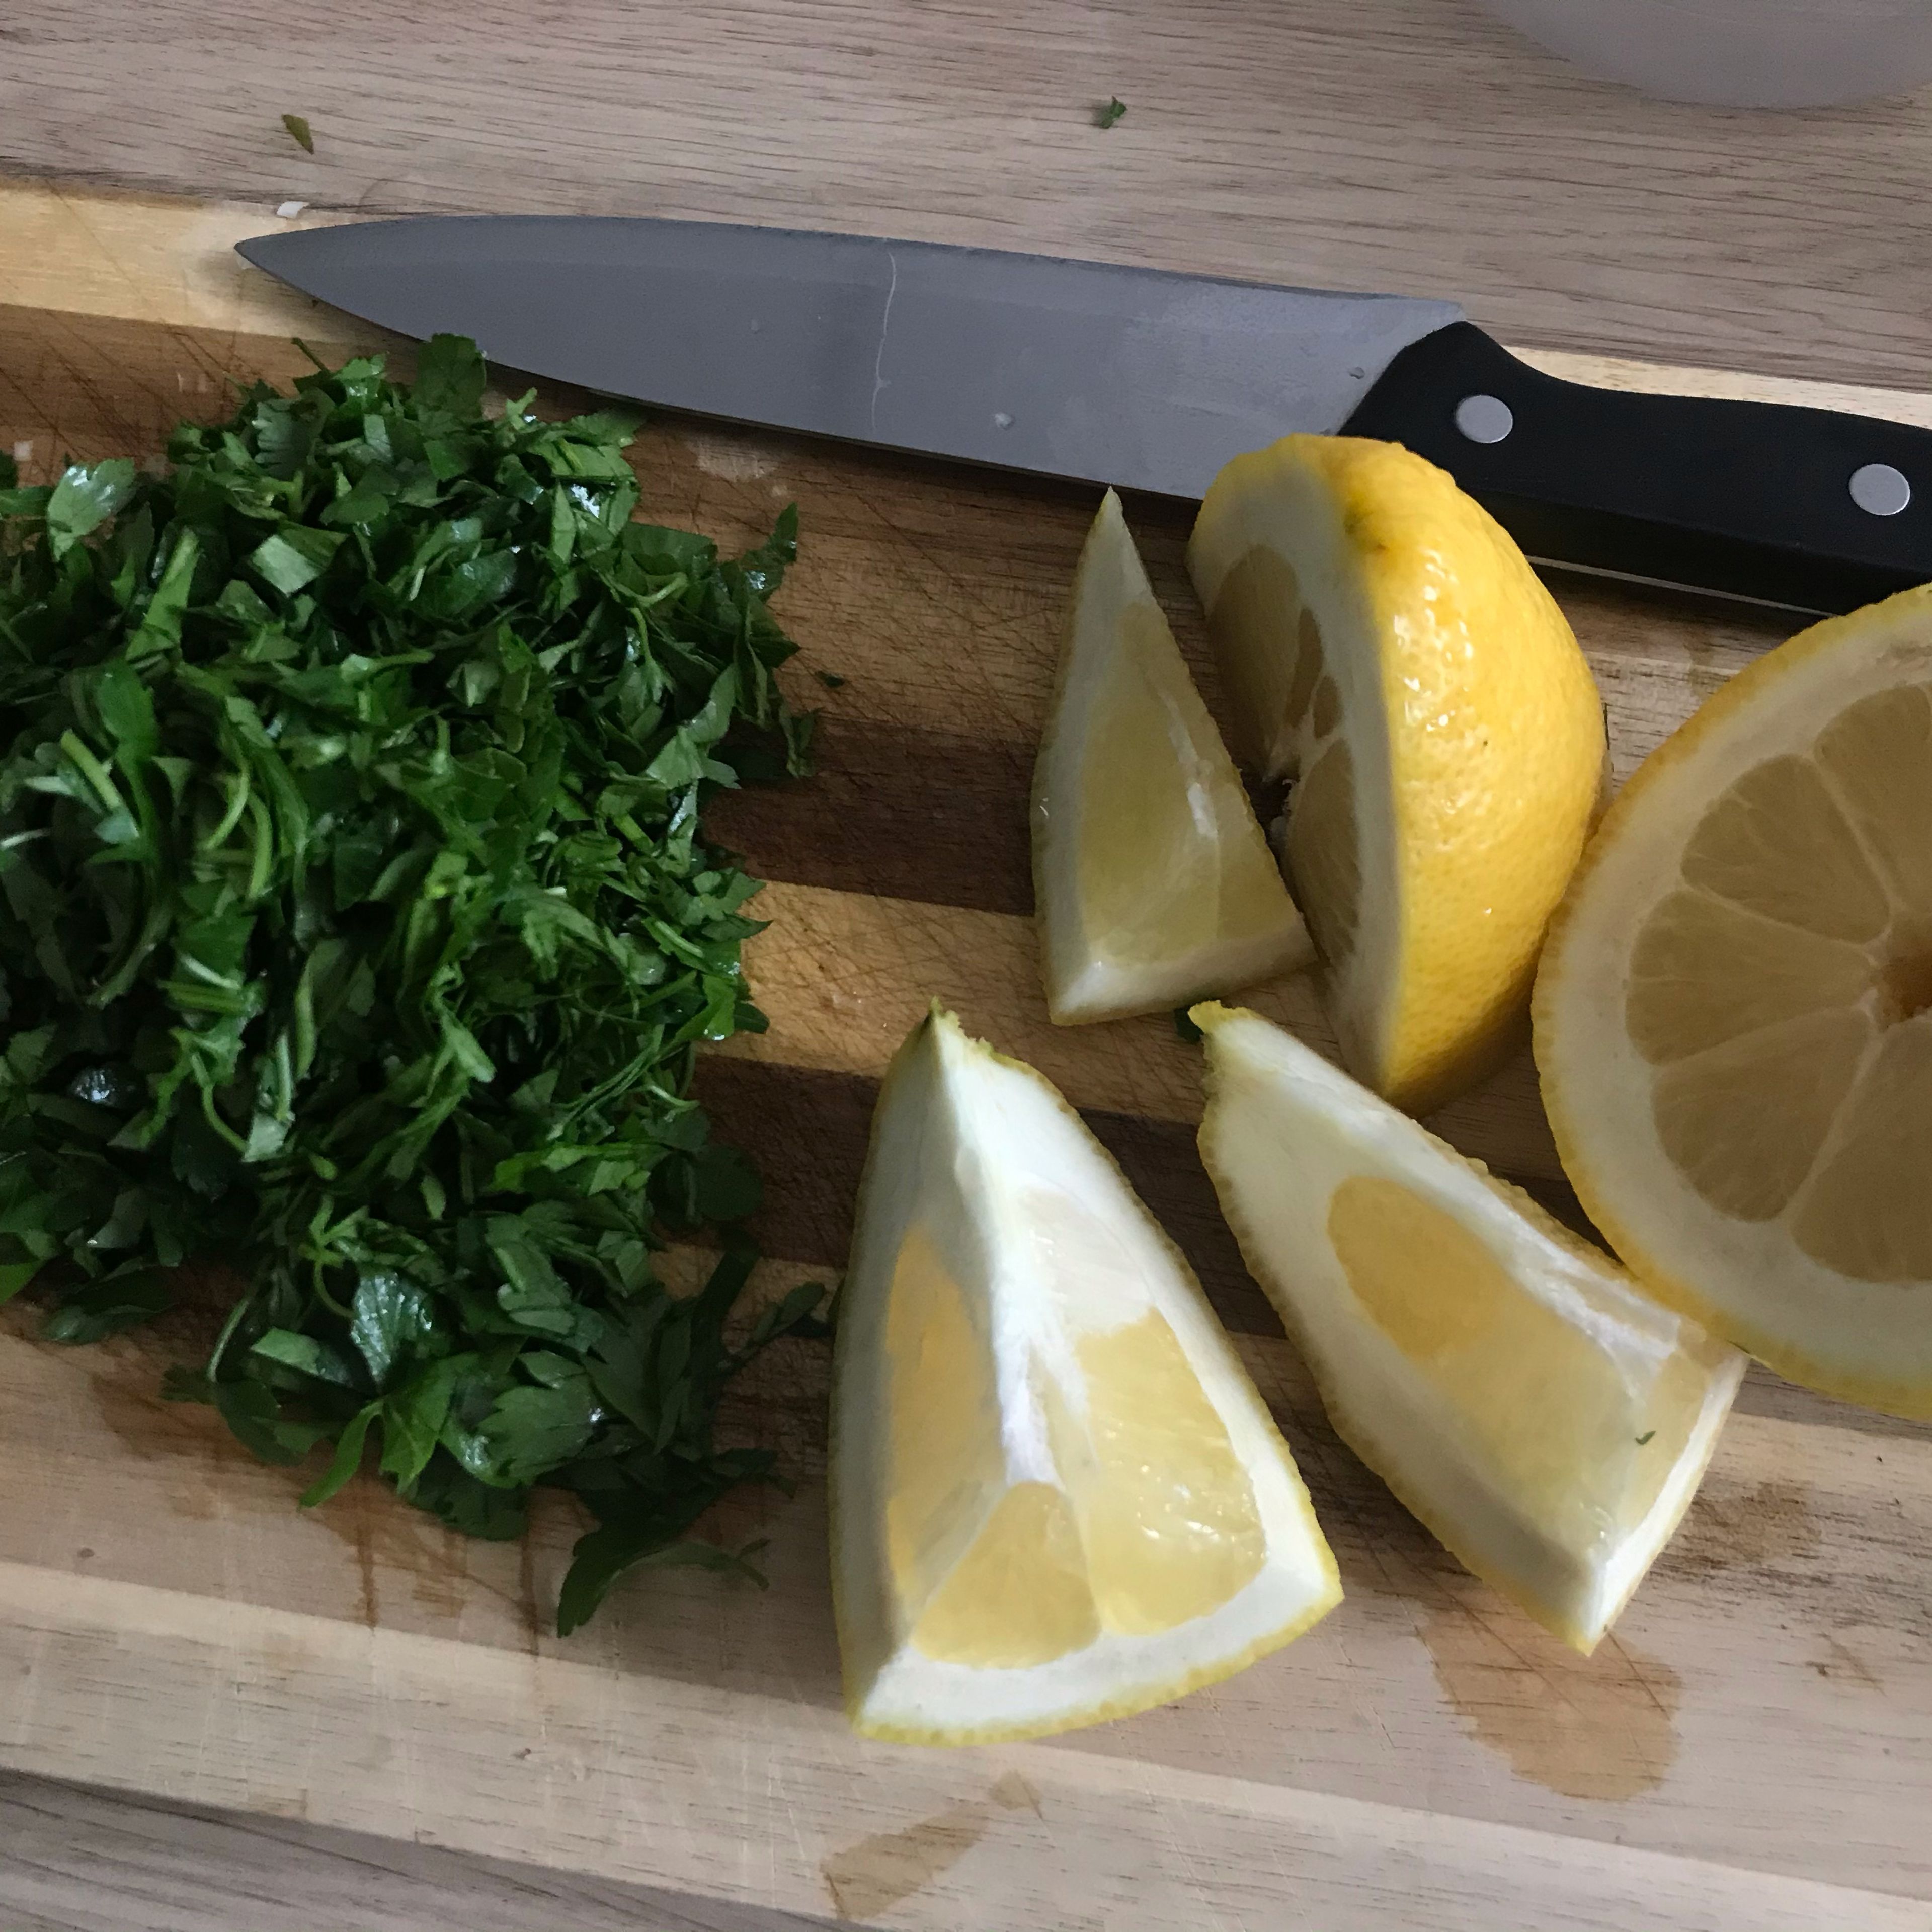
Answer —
(1749, 500)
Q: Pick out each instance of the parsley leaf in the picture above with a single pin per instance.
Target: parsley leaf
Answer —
(358, 933)
(1106, 115)
(83, 499)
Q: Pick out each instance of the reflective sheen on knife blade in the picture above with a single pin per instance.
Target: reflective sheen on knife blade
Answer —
(1073, 369)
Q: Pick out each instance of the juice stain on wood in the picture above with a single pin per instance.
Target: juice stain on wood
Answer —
(124, 1379)
(1735, 1526)
(391, 1539)
(1602, 1727)
(874, 1875)
(1841, 1664)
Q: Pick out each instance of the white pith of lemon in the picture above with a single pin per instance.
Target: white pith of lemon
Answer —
(1548, 1421)
(1057, 1497)
(1388, 647)
(1153, 883)
(1734, 1015)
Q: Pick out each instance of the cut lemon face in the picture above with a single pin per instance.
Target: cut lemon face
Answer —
(1056, 1496)
(1389, 648)
(1734, 1017)
(1546, 1420)
(1153, 881)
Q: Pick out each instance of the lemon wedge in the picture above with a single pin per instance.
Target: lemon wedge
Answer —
(1734, 1017)
(1386, 645)
(1546, 1420)
(1056, 1496)
(1153, 881)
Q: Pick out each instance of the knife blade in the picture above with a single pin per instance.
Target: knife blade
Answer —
(1143, 379)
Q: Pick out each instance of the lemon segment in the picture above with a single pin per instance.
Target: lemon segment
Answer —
(1388, 647)
(1153, 881)
(1734, 1013)
(1168, 1517)
(1545, 1419)
(1056, 1496)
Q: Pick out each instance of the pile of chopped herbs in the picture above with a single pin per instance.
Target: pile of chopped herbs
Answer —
(357, 935)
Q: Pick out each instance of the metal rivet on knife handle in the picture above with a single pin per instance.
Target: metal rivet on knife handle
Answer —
(1484, 418)
(1879, 490)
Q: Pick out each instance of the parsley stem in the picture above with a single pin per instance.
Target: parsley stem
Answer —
(228, 1329)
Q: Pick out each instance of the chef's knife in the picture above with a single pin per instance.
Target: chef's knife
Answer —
(1145, 379)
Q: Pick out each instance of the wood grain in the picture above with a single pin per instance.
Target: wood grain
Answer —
(1412, 145)
(628, 1777)
(355, 1667)
(1749, 1751)
(73, 1859)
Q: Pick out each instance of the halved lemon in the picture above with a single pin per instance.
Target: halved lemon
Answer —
(1734, 1017)
(1387, 647)
(1546, 1420)
(1153, 882)
(1056, 1496)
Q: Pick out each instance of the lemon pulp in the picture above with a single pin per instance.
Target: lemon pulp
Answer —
(1547, 1420)
(1152, 881)
(1387, 647)
(1149, 1521)
(1583, 1450)
(1734, 1011)
(1781, 991)
(1056, 1495)
(1167, 865)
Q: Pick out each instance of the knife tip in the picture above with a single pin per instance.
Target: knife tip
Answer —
(268, 251)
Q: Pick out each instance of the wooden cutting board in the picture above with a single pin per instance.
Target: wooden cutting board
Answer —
(1752, 1747)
